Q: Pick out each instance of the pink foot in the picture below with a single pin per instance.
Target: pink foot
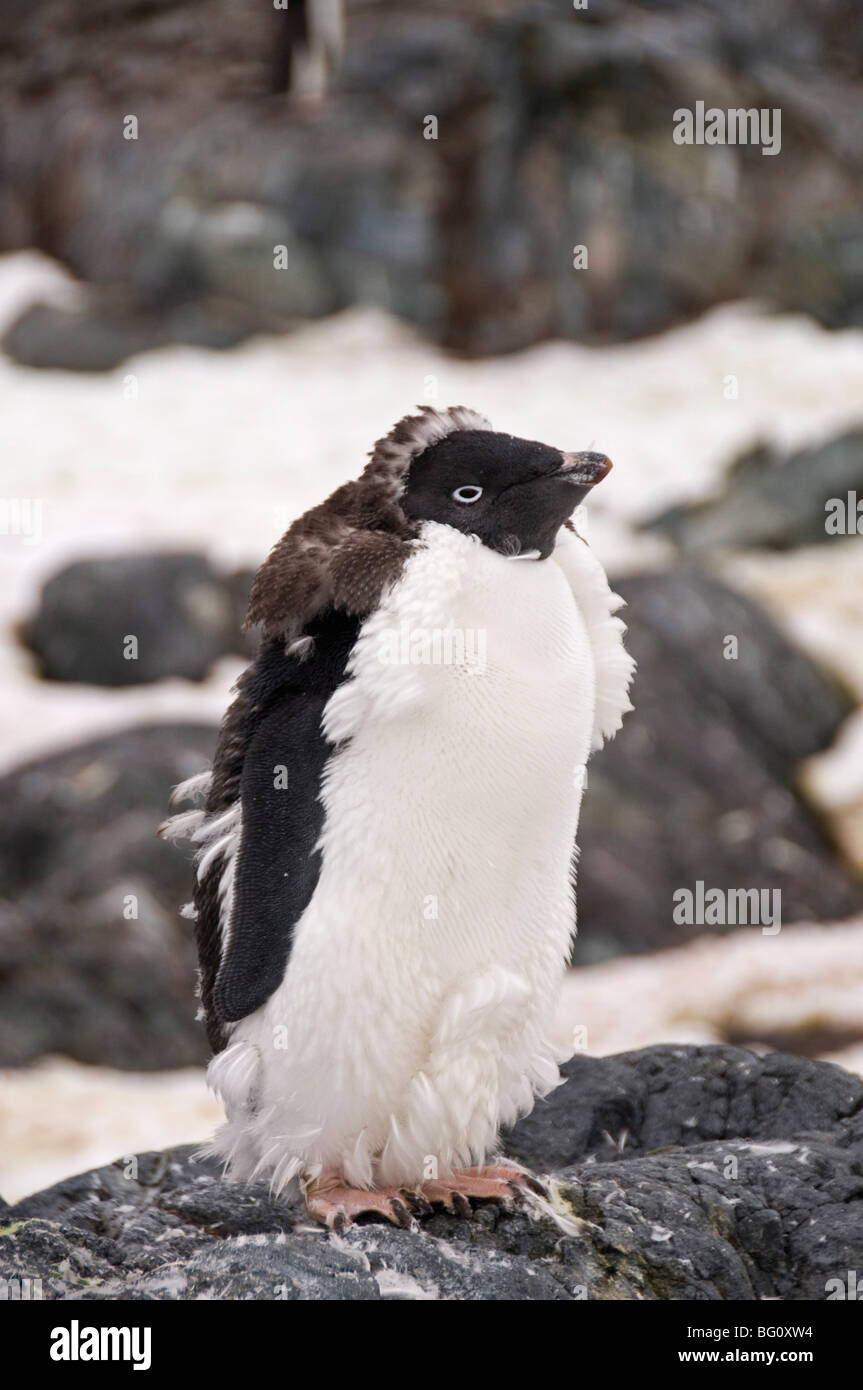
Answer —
(496, 1182)
(336, 1205)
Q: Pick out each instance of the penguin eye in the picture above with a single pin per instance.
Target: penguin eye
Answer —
(467, 494)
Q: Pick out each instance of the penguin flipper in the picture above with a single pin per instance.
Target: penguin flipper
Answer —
(260, 884)
(277, 862)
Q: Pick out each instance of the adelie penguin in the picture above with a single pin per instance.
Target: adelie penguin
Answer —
(385, 888)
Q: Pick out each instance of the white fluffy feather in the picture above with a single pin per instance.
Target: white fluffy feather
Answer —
(411, 1020)
(213, 835)
(598, 604)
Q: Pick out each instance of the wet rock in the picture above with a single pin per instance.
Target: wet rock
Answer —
(95, 961)
(136, 618)
(700, 783)
(776, 502)
(736, 1177)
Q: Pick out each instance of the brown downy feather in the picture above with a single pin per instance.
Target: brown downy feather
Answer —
(349, 549)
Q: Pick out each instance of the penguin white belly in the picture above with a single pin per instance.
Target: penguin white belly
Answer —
(410, 1020)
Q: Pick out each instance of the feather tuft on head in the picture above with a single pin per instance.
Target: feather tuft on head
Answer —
(346, 551)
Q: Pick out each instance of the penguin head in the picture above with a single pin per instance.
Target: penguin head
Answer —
(512, 494)
(447, 466)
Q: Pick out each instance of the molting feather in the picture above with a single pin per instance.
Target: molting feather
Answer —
(349, 549)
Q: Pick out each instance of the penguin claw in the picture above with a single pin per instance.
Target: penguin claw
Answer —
(462, 1206)
(420, 1205)
(338, 1206)
(402, 1216)
(498, 1183)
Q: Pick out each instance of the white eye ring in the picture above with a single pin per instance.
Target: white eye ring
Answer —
(468, 494)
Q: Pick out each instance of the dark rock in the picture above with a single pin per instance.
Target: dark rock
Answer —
(738, 1178)
(182, 614)
(818, 270)
(624, 1107)
(772, 501)
(239, 586)
(555, 129)
(100, 335)
(79, 974)
(700, 783)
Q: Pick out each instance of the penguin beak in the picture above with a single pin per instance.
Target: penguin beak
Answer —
(585, 469)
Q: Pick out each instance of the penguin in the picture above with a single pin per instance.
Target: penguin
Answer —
(385, 845)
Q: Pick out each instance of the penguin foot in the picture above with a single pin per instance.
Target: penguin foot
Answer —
(337, 1206)
(496, 1182)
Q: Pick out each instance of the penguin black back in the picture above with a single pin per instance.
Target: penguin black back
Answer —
(278, 751)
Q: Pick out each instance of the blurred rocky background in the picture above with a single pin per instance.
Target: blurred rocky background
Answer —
(551, 128)
(171, 399)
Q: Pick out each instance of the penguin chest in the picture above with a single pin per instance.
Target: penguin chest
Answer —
(462, 735)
